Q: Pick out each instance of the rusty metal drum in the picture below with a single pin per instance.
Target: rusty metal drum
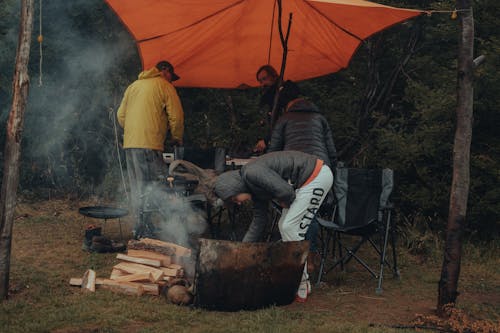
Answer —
(233, 276)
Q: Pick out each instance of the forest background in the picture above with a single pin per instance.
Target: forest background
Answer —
(394, 106)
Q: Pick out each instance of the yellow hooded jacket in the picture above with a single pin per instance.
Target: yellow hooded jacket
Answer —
(142, 112)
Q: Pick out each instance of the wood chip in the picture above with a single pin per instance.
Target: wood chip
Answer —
(88, 280)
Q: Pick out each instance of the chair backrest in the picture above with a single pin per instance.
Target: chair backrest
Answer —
(359, 194)
(210, 158)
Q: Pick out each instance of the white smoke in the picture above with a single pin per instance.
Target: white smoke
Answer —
(176, 217)
(88, 60)
(87, 63)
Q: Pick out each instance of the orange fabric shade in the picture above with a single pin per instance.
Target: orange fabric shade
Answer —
(222, 43)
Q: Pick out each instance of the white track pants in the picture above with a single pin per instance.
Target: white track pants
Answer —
(295, 220)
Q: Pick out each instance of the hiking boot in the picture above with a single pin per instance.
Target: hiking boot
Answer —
(101, 244)
(302, 292)
(90, 231)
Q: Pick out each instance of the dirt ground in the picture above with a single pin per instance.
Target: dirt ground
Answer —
(409, 301)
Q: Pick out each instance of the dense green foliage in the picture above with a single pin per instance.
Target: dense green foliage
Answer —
(393, 107)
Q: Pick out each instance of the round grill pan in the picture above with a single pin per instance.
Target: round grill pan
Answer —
(103, 212)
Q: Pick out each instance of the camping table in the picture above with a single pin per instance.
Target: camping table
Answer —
(105, 213)
(237, 162)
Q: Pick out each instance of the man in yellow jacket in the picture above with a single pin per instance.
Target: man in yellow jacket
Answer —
(150, 107)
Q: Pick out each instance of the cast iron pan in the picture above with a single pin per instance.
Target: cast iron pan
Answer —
(103, 212)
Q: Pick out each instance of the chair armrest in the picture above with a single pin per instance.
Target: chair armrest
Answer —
(327, 224)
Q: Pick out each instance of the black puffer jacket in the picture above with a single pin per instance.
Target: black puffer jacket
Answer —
(305, 129)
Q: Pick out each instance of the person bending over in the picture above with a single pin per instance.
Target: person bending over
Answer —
(298, 181)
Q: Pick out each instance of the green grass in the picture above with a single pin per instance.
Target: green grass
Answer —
(47, 253)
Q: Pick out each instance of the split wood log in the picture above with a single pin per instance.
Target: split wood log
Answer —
(116, 273)
(164, 260)
(172, 272)
(130, 288)
(133, 268)
(88, 280)
(139, 245)
(151, 288)
(178, 250)
(124, 286)
(144, 261)
(135, 277)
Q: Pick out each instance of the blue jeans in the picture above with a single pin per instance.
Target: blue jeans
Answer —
(312, 235)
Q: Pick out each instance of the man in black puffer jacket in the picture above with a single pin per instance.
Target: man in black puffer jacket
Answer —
(305, 129)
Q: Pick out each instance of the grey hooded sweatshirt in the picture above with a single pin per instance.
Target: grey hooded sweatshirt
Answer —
(271, 176)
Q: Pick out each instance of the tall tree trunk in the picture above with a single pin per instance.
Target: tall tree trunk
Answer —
(461, 157)
(10, 181)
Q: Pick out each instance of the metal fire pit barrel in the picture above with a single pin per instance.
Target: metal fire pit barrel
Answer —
(233, 276)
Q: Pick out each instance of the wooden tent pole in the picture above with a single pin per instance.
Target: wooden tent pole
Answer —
(10, 181)
(284, 44)
(448, 283)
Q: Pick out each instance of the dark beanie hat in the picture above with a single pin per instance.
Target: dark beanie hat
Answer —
(230, 184)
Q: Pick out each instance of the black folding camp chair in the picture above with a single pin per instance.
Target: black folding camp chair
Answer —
(362, 210)
(206, 158)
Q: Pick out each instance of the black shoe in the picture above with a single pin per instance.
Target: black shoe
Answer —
(90, 232)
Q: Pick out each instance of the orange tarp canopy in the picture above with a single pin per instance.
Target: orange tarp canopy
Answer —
(221, 43)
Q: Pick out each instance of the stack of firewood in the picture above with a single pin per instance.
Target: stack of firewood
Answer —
(150, 267)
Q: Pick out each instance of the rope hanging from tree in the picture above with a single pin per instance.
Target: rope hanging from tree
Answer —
(40, 41)
(454, 12)
(112, 115)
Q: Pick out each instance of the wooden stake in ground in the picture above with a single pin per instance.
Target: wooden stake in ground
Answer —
(10, 179)
(448, 283)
